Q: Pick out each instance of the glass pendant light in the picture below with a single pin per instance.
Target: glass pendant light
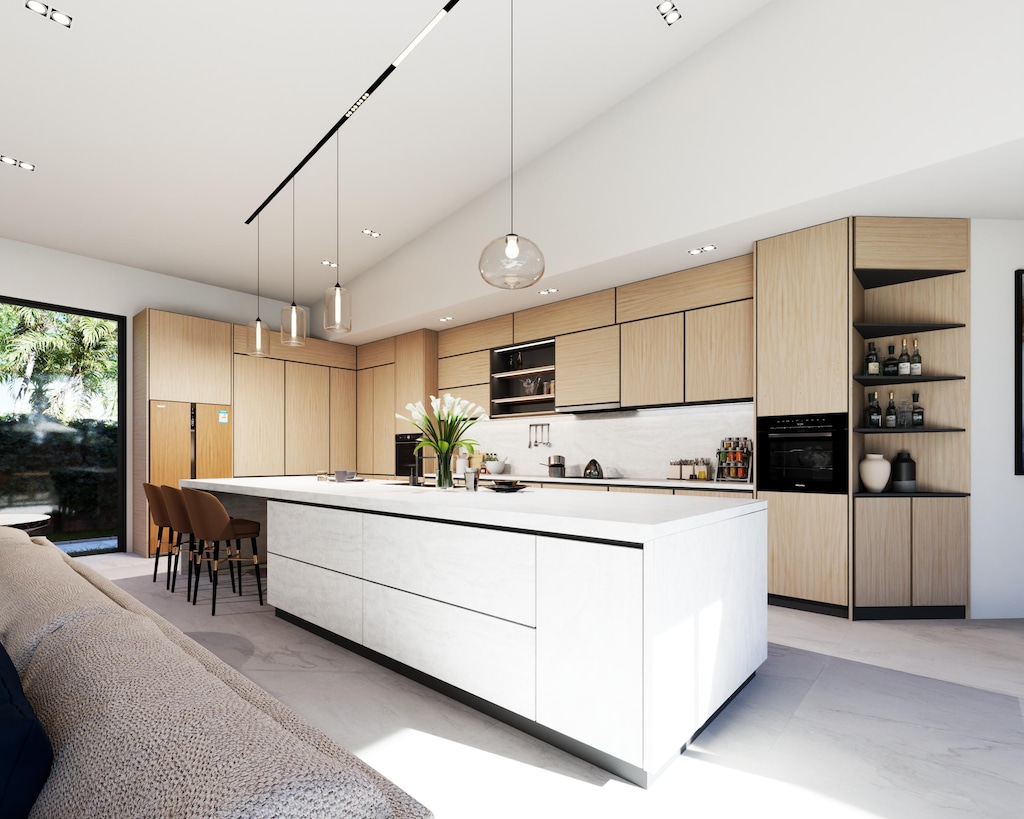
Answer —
(293, 319)
(337, 300)
(258, 339)
(511, 261)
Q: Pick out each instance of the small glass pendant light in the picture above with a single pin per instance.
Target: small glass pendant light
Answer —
(337, 300)
(258, 339)
(293, 318)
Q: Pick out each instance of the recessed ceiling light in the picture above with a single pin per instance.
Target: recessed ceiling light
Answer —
(371, 233)
(446, 318)
(60, 17)
(28, 166)
(10, 160)
(37, 7)
(705, 249)
(695, 252)
(669, 13)
(329, 263)
(548, 291)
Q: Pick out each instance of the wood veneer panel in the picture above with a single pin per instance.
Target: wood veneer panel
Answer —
(376, 353)
(480, 335)
(941, 537)
(652, 367)
(189, 358)
(891, 243)
(343, 419)
(881, 552)
(415, 372)
(803, 328)
(384, 420)
(307, 418)
(364, 421)
(479, 394)
(259, 416)
(715, 283)
(808, 538)
(587, 367)
(720, 493)
(213, 441)
(720, 352)
(140, 432)
(314, 351)
(643, 490)
(170, 449)
(568, 316)
(461, 370)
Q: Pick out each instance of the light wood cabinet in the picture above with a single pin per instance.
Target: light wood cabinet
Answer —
(314, 351)
(941, 534)
(415, 376)
(720, 352)
(587, 367)
(803, 335)
(307, 418)
(364, 421)
(652, 361)
(881, 552)
(464, 370)
(568, 316)
(715, 283)
(259, 416)
(890, 243)
(375, 421)
(807, 546)
(189, 358)
(376, 353)
(480, 335)
(343, 419)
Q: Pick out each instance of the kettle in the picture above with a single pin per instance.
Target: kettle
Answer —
(593, 469)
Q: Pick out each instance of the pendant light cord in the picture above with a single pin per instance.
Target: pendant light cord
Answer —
(257, 268)
(511, 114)
(337, 210)
(293, 242)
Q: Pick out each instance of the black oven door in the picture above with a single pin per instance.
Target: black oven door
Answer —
(803, 453)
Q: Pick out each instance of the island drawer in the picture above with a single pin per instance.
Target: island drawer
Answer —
(331, 538)
(327, 599)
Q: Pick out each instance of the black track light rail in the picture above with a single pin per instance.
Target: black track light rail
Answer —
(345, 118)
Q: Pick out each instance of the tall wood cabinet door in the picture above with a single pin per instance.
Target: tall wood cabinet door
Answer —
(343, 419)
(307, 418)
(881, 552)
(259, 416)
(384, 420)
(941, 536)
(652, 361)
(802, 321)
(415, 373)
(364, 421)
(213, 441)
(587, 367)
(170, 448)
(189, 358)
(807, 546)
(720, 352)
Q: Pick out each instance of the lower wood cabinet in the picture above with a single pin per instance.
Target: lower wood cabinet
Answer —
(808, 545)
(910, 551)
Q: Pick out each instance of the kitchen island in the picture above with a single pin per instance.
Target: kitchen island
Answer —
(613, 626)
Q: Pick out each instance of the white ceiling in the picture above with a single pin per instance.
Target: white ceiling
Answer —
(157, 129)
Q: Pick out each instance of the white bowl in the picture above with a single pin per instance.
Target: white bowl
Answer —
(495, 467)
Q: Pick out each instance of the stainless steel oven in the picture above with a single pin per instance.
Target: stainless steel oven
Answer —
(803, 453)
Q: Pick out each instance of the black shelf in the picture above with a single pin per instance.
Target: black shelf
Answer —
(911, 494)
(882, 380)
(882, 329)
(899, 430)
(871, 278)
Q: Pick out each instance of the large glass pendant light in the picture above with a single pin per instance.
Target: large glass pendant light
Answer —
(511, 261)
(337, 300)
(258, 338)
(293, 319)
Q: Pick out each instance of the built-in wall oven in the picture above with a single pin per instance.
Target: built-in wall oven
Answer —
(416, 465)
(803, 453)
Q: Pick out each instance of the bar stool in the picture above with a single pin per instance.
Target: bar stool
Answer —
(175, 503)
(162, 520)
(212, 524)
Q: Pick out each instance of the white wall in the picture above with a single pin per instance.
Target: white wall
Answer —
(38, 274)
(997, 495)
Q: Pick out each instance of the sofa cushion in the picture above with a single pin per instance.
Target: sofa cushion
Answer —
(25, 750)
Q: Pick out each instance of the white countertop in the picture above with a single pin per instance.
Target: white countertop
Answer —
(666, 483)
(613, 516)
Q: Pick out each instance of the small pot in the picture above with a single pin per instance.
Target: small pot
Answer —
(556, 466)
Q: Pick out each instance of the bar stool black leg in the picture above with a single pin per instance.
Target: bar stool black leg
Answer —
(159, 545)
(170, 553)
(256, 566)
(177, 552)
(216, 572)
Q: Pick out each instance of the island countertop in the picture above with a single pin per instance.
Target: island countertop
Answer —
(634, 518)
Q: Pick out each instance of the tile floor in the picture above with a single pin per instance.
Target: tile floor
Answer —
(881, 719)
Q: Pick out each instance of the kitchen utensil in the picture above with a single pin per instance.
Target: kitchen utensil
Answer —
(506, 486)
(556, 466)
(593, 469)
(530, 385)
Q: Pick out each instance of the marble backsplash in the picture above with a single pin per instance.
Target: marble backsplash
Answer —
(632, 444)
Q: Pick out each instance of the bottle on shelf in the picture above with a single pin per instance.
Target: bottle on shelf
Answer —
(872, 361)
(891, 366)
(903, 362)
(890, 412)
(915, 360)
(917, 413)
(873, 412)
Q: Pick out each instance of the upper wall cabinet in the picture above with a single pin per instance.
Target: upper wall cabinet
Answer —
(314, 351)
(652, 361)
(376, 353)
(463, 370)
(189, 359)
(569, 316)
(803, 334)
(888, 243)
(587, 367)
(415, 372)
(471, 338)
(720, 352)
(716, 283)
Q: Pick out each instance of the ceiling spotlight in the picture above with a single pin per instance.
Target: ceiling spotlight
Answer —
(709, 248)
(446, 318)
(28, 166)
(695, 252)
(8, 160)
(371, 233)
(37, 7)
(329, 263)
(548, 291)
(60, 17)
(669, 13)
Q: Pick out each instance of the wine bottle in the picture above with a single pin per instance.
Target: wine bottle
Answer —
(917, 412)
(903, 363)
(890, 412)
(872, 363)
(891, 366)
(873, 413)
(915, 360)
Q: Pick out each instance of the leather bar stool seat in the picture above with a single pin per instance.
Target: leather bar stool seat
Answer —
(161, 520)
(175, 503)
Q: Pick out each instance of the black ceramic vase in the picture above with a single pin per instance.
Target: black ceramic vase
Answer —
(904, 473)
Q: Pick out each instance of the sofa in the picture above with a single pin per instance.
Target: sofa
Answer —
(144, 721)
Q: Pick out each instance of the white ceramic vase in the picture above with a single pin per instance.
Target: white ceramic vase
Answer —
(874, 472)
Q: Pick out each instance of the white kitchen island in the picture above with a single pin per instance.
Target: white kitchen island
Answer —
(611, 625)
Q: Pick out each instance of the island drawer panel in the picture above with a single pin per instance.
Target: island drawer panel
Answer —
(327, 599)
(486, 656)
(491, 571)
(331, 538)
